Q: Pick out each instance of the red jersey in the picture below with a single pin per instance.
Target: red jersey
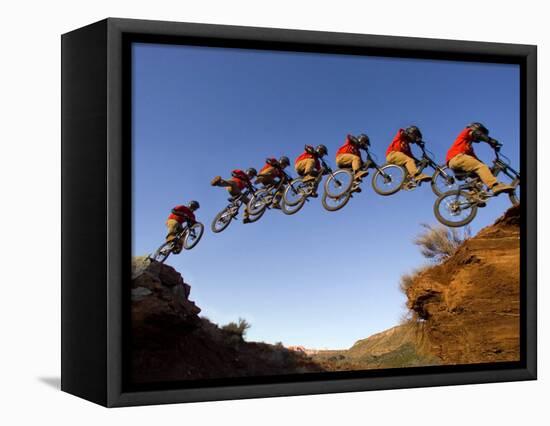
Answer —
(462, 145)
(269, 169)
(400, 143)
(306, 155)
(184, 213)
(240, 178)
(348, 148)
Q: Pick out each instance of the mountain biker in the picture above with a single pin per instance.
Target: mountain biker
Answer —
(399, 152)
(461, 156)
(178, 216)
(349, 155)
(308, 166)
(272, 174)
(239, 181)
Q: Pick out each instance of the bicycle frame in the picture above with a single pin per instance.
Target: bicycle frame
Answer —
(501, 166)
(498, 166)
(326, 167)
(370, 163)
(273, 189)
(427, 161)
(238, 201)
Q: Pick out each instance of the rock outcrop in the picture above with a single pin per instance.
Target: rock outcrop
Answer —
(159, 296)
(170, 342)
(470, 303)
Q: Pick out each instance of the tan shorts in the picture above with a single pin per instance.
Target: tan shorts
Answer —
(467, 163)
(400, 159)
(349, 161)
(306, 167)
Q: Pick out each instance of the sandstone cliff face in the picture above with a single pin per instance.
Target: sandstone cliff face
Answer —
(470, 303)
(170, 342)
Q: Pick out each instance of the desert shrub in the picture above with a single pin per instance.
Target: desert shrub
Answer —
(237, 328)
(437, 243)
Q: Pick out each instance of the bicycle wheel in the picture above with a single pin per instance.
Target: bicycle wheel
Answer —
(388, 179)
(257, 217)
(223, 219)
(295, 193)
(332, 204)
(515, 196)
(454, 209)
(259, 201)
(339, 183)
(193, 235)
(292, 209)
(163, 252)
(441, 183)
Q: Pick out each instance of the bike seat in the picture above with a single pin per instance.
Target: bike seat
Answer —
(460, 175)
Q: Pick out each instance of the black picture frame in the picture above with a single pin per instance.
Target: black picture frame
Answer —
(96, 164)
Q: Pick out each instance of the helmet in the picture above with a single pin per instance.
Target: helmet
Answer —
(321, 150)
(479, 127)
(309, 148)
(364, 140)
(193, 205)
(251, 172)
(284, 161)
(413, 133)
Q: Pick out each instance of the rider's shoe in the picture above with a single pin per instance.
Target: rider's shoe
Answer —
(216, 180)
(361, 173)
(356, 189)
(313, 194)
(422, 177)
(499, 188)
(246, 220)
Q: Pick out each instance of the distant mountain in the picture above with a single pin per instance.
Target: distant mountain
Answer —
(399, 346)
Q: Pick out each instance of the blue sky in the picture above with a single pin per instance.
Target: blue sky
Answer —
(318, 279)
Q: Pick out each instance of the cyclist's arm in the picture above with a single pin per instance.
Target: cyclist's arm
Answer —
(188, 217)
(478, 136)
(353, 139)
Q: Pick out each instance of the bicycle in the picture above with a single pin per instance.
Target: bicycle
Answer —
(459, 207)
(341, 185)
(226, 216)
(263, 198)
(186, 239)
(442, 178)
(298, 192)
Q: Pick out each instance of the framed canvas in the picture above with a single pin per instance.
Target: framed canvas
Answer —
(256, 212)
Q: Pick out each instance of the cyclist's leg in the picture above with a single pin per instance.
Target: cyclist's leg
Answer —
(233, 188)
(173, 227)
(471, 164)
